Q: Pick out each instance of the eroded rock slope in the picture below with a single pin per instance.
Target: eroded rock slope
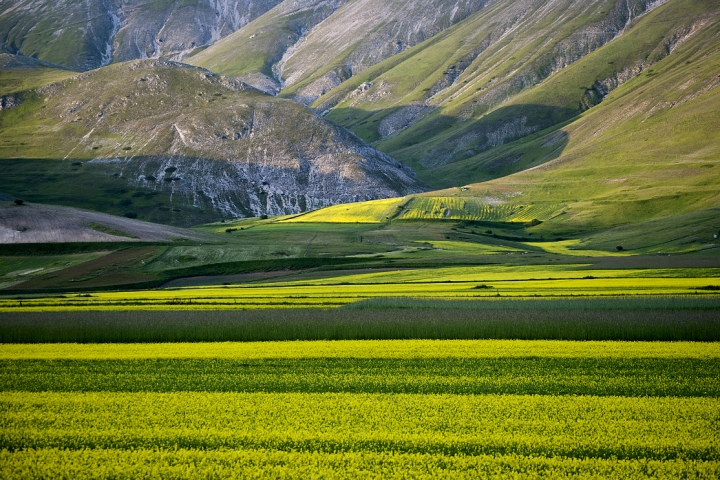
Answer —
(210, 142)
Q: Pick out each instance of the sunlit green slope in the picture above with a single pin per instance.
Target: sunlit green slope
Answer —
(449, 106)
(649, 152)
(251, 52)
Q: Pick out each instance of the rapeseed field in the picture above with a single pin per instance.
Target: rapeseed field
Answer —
(361, 409)
(447, 283)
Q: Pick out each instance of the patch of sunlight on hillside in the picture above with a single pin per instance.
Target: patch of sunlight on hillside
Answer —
(572, 247)
(477, 209)
(373, 211)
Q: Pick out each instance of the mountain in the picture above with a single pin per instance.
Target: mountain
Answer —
(253, 53)
(510, 71)
(591, 114)
(309, 47)
(172, 143)
(443, 86)
(637, 156)
(87, 35)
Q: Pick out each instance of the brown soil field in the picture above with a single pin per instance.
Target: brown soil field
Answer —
(117, 268)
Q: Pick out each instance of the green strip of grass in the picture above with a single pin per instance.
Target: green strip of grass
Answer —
(529, 375)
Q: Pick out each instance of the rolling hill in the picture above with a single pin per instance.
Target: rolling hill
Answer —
(177, 144)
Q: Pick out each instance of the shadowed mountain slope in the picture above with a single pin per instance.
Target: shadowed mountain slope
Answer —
(210, 145)
(35, 223)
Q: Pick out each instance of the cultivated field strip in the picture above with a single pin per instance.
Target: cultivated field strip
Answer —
(366, 349)
(639, 318)
(373, 211)
(191, 463)
(476, 209)
(443, 283)
(638, 377)
(361, 409)
(578, 426)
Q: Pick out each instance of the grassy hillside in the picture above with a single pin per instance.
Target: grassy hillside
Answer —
(646, 155)
(177, 144)
(18, 74)
(311, 46)
(650, 150)
(251, 52)
(89, 34)
(449, 105)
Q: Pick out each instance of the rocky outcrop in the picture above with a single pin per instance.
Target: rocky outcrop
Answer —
(601, 88)
(401, 119)
(9, 101)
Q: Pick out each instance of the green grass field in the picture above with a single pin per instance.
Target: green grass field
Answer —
(387, 409)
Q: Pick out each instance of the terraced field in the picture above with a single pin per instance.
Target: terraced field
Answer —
(389, 409)
(476, 209)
